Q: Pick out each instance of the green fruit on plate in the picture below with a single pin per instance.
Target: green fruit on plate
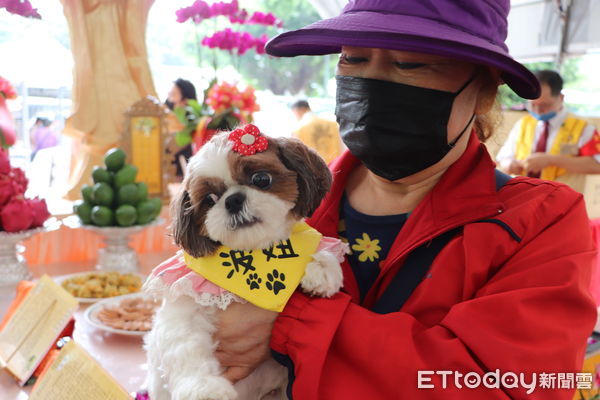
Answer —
(83, 211)
(142, 191)
(100, 174)
(145, 212)
(157, 204)
(128, 194)
(125, 175)
(102, 216)
(103, 194)
(126, 215)
(86, 193)
(114, 159)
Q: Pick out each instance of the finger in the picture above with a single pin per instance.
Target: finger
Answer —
(235, 374)
(222, 357)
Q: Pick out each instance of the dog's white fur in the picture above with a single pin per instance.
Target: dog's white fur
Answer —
(180, 347)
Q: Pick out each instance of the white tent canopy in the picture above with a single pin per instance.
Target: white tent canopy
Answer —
(328, 8)
(38, 59)
(535, 30)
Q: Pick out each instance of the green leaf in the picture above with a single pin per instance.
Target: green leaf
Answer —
(183, 138)
(216, 121)
(180, 114)
(191, 120)
(195, 106)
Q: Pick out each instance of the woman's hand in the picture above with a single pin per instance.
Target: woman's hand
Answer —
(243, 334)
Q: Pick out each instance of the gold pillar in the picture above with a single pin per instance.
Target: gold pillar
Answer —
(111, 72)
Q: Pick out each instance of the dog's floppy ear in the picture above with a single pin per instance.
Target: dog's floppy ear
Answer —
(186, 228)
(314, 178)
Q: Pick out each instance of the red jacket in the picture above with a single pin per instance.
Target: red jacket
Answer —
(490, 301)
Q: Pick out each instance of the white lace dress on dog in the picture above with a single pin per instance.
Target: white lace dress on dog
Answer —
(173, 278)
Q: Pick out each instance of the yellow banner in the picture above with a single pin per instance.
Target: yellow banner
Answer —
(75, 375)
(266, 278)
(145, 151)
(34, 327)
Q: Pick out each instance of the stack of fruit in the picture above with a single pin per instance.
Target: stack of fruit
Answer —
(116, 199)
(16, 212)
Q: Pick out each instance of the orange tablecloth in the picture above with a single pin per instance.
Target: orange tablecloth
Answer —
(75, 245)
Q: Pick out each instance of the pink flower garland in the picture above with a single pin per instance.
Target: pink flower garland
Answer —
(267, 19)
(231, 40)
(20, 7)
(200, 10)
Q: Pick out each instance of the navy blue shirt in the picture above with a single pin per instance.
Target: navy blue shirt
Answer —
(370, 238)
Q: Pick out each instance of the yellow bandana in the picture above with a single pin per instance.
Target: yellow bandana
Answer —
(266, 278)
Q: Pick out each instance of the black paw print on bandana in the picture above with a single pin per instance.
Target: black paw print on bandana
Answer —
(253, 281)
(275, 281)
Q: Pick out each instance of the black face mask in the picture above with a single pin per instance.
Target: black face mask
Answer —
(396, 130)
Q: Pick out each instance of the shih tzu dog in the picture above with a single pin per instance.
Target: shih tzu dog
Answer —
(239, 222)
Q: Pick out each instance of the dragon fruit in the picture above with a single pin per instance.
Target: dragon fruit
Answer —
(19, 180)
(4, 163)
(40, 211)
(16, 215)
(7, 190)
(16, 212)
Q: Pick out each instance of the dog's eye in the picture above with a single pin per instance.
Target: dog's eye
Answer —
(261, 180)
(210, 199)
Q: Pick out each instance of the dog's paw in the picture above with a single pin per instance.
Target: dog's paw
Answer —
(323, 277)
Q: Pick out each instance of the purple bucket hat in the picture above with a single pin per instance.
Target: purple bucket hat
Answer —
(469, 30)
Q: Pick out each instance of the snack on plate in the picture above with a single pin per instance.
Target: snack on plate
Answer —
(102, 284)
(130, 314)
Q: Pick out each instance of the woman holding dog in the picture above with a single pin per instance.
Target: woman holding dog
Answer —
(471, 272)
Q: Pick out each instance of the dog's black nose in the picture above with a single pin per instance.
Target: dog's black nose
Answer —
(235, 202)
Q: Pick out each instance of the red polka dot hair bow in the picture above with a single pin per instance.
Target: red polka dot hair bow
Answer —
(248, 140)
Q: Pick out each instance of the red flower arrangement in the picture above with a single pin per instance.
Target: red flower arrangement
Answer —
(224, 97)
(20, 7)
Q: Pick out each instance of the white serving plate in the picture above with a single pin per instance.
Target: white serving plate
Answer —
(91, 313)
(59, 279)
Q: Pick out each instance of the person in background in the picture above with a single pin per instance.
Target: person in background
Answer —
(456, 268)
(178, 96)
(181, 91)
(42, 136)
(550, 141)
(317, 133)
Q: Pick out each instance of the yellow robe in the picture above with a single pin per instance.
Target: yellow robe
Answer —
(321, 135)
(569, 134)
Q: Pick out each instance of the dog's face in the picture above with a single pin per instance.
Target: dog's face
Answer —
(246, 202)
